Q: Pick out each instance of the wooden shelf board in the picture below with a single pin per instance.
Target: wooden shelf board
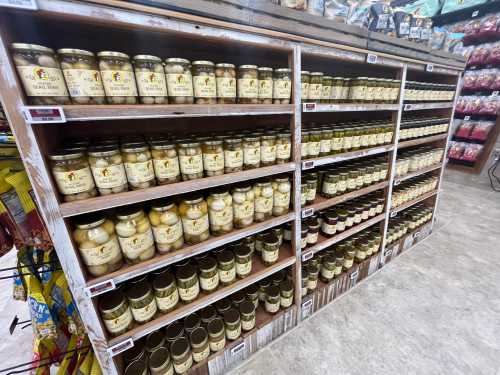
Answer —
(408, 204)
(347, 107)
(422, 140)
(348, 155)
(431, 105)
(109, 201)
(407, 176)
(259, 272)
(130, 271)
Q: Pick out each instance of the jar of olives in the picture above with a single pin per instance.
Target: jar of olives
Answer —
(138, 165)
(40, 74)
(264, 199)
(305, 80)
(97, 243)
(273, 299)
(268, 150)
(117, 77)
(165, 291)
(270, 249)
(220, 212)
(243, 256)
(166, 225)
(160, 363)
(135, 234)
(115, 313)
(107, 168)
(286, 294)
(233, 155)
(315, 87)
(265, 85)
(165, 162)
(150, 77)
(142, 302)
(216, 335)
(72, 175)
(225, 76)
(243, 206)
(194, 215)
(204, 82)
(326, 93)
(283, 148)
(227, 267)
(282, 86)
(181, 355)
(179, 81)
(281, 195)
(248, 81)
(232, 323)
(187, 283)
(251, 151)
(190, 160)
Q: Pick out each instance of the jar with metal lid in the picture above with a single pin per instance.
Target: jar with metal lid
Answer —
(226, 83)
(286, 294)
(137, 352)
(304, 230)
(204, 83)
(268, 151)
(248, 84)
(166, 226)
(160, 363)
(174, 331)
(243, 256)
(233, 155)
(137, 367)
(312, 231)
(252, 294)
(346, 89)
(243, 206)
(305, 80)
(327, 88)
(325, 146)
(227, 267)
(150, 78)
(263, 285)
(190, 160)
(142, 302)
(251, 151)
(265, 89)
(107, 168)
(264, 199)
(216, 335)
(223, 305)
(165, 291)
(209, 275)
(117, 77)
(304, 144)
(313, 274)
(134, 234)
(270, 249)
(283, 148)
(138, 165)
(82, 76)
(304, 191)
(312, 182)
(232, 324)
(115, 313)
(315, 87)
(209, 313)
(282, 89)
(336, 91)
(179, 81)
(281, 195)
(199, 344)
(304, 280)
(220, 211)
(181, 355)
(329, 188)
(329, 224)
(357, 90)
(72, 175)
(97, 243)
(273, 299)
(348, 262)
(314, 144)
(342, 218)
(165, 162)
(154, 341)
(40, 74)
(187, 283)
(247, 313)
(337, 141)
(195, 222)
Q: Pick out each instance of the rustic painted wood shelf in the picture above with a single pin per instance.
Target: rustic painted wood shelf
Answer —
(422, 140)
(348, 107)
(422, 106)
(422, 171)
(413, 202)
(310, 163)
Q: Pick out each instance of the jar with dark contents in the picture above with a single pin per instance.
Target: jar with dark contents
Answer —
(251, 151)
(282, 90)
(287, 232)
(304, 230)
(328, 268)
(227, 267)
(286, 294)
(312, 231)
(154, 340)
(263, 285)
(187, 283)
(208, 314)
(116, 313)
(232, 324)
(191, 322)
(248, 84)
(312, 182)
(325, 146)
(166, 294)
(138, 165)
(247, 313)
(204, 83)
(199, 344)
(181, 355)
(209, 275)
(223, 305)
(174, 331)
(252, 293)
(243, 255)
(265, 85)
(313, 273)
(304, 281)
(226, 83)
(273, 299)
(305, 80)
(142, 302)
(315, 87)
(237, 298)
(137, 368)
(179, 81)
(160, 362)
(278, 278)
(117, 77)
(216, 335)
(326, 92)
(137, 352)
(270, 250)
(329, 224)
(150, 77)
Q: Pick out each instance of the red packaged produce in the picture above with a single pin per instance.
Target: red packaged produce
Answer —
(470, 79)
(494, 55)
(479, 55)
(489, 106)
(495, 85)
(472, 27)
(488, 26)
(464, 129)
(6, 242)
(461, 103)
(481, 130)
(473, 105)
(456, 150)
(485, 78)
(471, 152)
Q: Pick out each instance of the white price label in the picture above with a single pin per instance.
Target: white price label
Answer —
(44, 115)
(416, 234)
(494, 94)
(475, 13)
(467, 118)
(307, 256)
(307, 304)
(397, 182)
(371, 58)
(407, 107)
(309, 107)
(429, 68)
(393, 214)
(307, 212)
(238, 348)
(308, 164)
(388, 252)
(100, 288)
(120, 348)
(20, 4)
(354, 275)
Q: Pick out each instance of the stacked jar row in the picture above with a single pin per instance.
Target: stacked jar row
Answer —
(417, 159)
(412, 189)
(79, 169)
(338, 138)
(411, 220)
(330, 263)
(316, 87)
(422, 127)
(191, 340)
(137, 236)
(428, 92)
(116, 79)
(342, 179)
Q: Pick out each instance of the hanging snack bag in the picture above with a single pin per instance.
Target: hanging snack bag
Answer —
(402, 22)
(12, 216)
(336, 10)
(41, 317)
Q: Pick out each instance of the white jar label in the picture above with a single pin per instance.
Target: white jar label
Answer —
(304, 90)
(134, 245)
(233, 159)
(337, 144)
(311, 284)
(166, 168)
(181, 368)
(266, 88)
(303, 149)
(326, 273)
(226, 87)
(200, 356)
(243, 269)
(329, 188)
(165, 234)
(349, 222)
(325, 146)
(209, 283)
(83, 82)
(233, 334)
(248, 325)
(119, 83)
(204, 87)
(347, 143)
(120, 323)
(283, 150)
(282, 88)
(215, 346)
(191, 164)
(351, 183)
(365, 215)
(244, 210)
(268, 153)
(74, 182)
(286, 302)
(315, 91)
(227, 276)
(281, 199)
(145, 313)
(222, 217)
(380, 138)
(151, 84)
(248, 88)
(188, 294)
(313, 148)
(312, 238)
(272, 307)
(263, 205)
(195, 227)
(340, 226)
(40, 81)
(168, 302)
(109, 177)
(364, 140)
(179, 85)
(103, 254)
(330, 229)
(213, 162)
(270, 256)
(311, 194)
(359, 181)
(336, 92)
(342, 186)
(140, 172)
(251, 155)
(356, 141)
(357, 218)
(357, 92)
(303, 198)
(303, 242)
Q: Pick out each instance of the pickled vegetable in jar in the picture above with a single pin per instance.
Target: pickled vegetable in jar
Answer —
(150, 77)
(282, 86)
(179, 81)
(329, 224)
(243, 256)
(138, 165)
(315, 87)
(265, 85)
(166, 225)
(281, 195)
(181, 355)
(40, 74)
(220, 212)
(336, 93)
(270, 249)
(82, 76)
(312, 181)
(227, 267)
(233, 155)
(142, 302)
(134, 234)
(251, 151)
(209, 274)
(194, 215)
(325, 146)
(204, 82)
(264, 199)
(187, 283)
(283, 148)
(213, 157)
(107, 168)
(248, 84)
(117, 77)
(312, 231)
(327, 88)
(190, 160)
(273, 299)
(165, 162)
(166, 294)
(216, 335)
(305, 80)
(304, 229)
(304, 141)
(160, 363)
(199, 344)
(268, 150)
(115, 313)
(329, 188)
(72, 175)
(286, 294)
(313, 145)
(328, 265)
(232, 323)
(226, 83)
(357, 90)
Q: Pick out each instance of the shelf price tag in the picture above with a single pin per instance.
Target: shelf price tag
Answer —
(397, 182)
(494, 94)
(44, 115)
(393, 214)
(475, 13)
(467, 118)
(354, 275)
(307, 308)
(429, 68)
(307, 256)
(238, 348)
(371, 58)
(308, 164)
(407, 107)
(120, 348)
(307, 212)
(20, 4)
(388, 252)
(100, 288)
(309, 107)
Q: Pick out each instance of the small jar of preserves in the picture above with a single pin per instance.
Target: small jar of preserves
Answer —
(243, 206)
(265, 85)
(227, 267)
(270, 249)
(243, 256)
(179, 81)
(312, 182)
(115, 313)
(326, 92)
(345, 90)
(268, 150)
(166, 294)
(313, 273)
(304, 230)
(247, 314)
(150, 77)
(181, 355)
(154, 341)
(199, 344)
(160, 363)
(327, 268)
(117, 77)
(314, 144)
(167, 226)
(248, 84)
(187, 283)
(325, 146)
(40, 74)
(190, 160)
(209, 313)
(336, 93)
(225, 76)
(305, 80)
(191, 322)
(281, 195)
(233, 155)
(204, 83)
(220, 211)
(330, 185)
(251, 151)
(282, 89)
(312, 231)
(343, 179)
(72, 175)
(283, 148)
(263, 285)
(273, 299)
(232, 323)
(329, 224)
(216, 335)
(209, 275)
(286, 294)
(315, 87)
(165, 162)
(142, 302)
(264, 199)
(337, 141)
(135, 234)
(107, 168)
(174, 331)
(138, 165)
(252, 292)
(194, 215)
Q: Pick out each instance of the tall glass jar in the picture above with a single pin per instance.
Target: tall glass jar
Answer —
(326, 92)
(204, 83)
(265, 85)
(181, 355)
(233, 155)
(336, 94)
(190, 160)
(232, 323)
(304, 144)
(138, 165)
(264, 198)
(282, 86)
(165, 162)
(216, 335)
(150, 77)
(142, 302)
(187, 283)
(226, 83)
(107, 168)
(248, 84)
(220, 212)
(213, 157)
(286, 294)
(273, 299)
(243, 206)
(281, 192)
(117, 77)
(325, 147)
(315, 87)
(194, 215)
(166, 294)
(166, 225)
(283, 148)
(314, 144)
(179, 81)
(247, 313)
(243, 256)
(40, 74)
(312, 181)
(209, 275)
(115, 313)
(268, 150)
(199, 344)
(160, 363)
(305, 80)
(270, 249)
(251, 151)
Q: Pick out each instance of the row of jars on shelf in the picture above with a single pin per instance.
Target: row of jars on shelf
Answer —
(191, 340)
(343, 178)
(75, 75)
(408, 221)
(417, 159)
(316, 87)
(331, 262)
(344, 137)
(422, 127)
(168, 226)
(136, 164)
(428, 92)
(413, 189)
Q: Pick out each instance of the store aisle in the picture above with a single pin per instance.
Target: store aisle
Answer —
(434, 310)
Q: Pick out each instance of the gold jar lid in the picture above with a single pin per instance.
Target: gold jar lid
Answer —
(283, 70)
(66, 155)
(127, 213)
(179, 348)
(112, 302)
(265, 69)
(90, 220)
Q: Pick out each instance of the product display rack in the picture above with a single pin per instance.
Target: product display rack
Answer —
(271, 47)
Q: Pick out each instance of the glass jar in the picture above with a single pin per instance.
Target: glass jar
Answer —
(312, 231)
(117, 77)
(252, 294)
(233, 155)
(273, 299)
(327, 268)
(264, 199)
(304, 230)
(315, 87)
(226, 83)
(330, 184)
(82, 76)
(40, 74)
(345, 90)
(281, 195)
(216, 335)
(204, 83)
(220, 212)
(251, 151)
(107, 168)
(313, 272)
(243, 206)
(179, 81)
(138, 165)
(268, 150)
(209, 313)
(270, 249)
(154, 341)
(150, 78)
(72, 175)
(160, 363)
(181, 355)
(329, 224)
(165, 162)
(209, 275)
(96, 240)
(194, 215)
(227, 267)
(265, 85)
(304, 144)
(314, 144)
(326, 93)
(187, 283)
(304, 280)
(248, 84)
(282, 89)
(115, 313)
(134, 234)
(312, 182)
(174, 331)
(283, 148)
(166, 225)
(190, 160)
(357, 91)
(137, 367)
(199, 344)
(336, 93)
(232, 324)
(243, 256)
(247, 313)
(166, 294)
(325, 146)
(142, 302)
(305, 80)
(263, 285)
(223, 305)
(286, 294)
(343, 179)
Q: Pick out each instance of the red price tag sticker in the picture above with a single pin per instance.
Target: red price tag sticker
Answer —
(100, 288)
(120, 348)
(44, 115)
(309, 107)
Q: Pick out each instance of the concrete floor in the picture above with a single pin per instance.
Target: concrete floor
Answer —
(434, 310)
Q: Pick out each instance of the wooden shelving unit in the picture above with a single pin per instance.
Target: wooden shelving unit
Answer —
(168, 32)
(419, 172)
(413, 202)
